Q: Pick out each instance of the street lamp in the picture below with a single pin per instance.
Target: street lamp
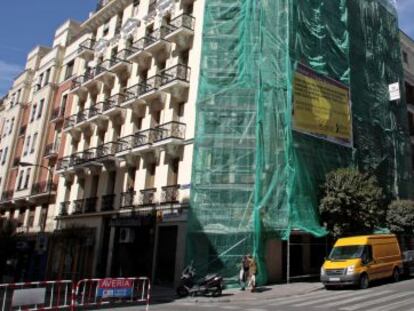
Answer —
(49, 184)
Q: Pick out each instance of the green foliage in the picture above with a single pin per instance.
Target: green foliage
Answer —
(400, 216)
(353, 203)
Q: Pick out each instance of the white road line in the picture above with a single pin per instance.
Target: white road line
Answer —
(360, 306)
(255, 309)
(230, 308)
(348, 295)
(292, 299)
(393, 306)
(357, 298)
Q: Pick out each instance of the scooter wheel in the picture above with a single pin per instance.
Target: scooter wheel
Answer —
(217, 292)
(182, 291)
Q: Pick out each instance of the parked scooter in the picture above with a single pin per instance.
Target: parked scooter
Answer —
(211, 284)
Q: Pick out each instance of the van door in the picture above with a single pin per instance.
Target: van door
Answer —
(368, 260)
(380, 260)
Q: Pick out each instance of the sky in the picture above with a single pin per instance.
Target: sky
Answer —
(25, 24)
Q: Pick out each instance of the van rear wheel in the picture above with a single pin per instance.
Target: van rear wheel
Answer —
(396, 275)
(363, 281)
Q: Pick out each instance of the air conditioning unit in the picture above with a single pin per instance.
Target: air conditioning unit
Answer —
(126, 235)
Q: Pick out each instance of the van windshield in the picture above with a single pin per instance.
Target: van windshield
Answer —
(346, 252)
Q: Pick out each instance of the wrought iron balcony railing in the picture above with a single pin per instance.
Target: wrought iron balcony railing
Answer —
(134, 92)
(70, 121)
(103, 66)
(127, 199)
(178, 72)
(107, 202)
(90, 205)
(151, 84)
(51, 149)
(82, 116)
(88, 44)
(63, 163)
(147, 197)
(171, 129)
(78, 206)
(64, 208)
(106, 150)
(43, 187)
(113, 102)
(95, 110)
(170, 194)
(137, 140)
(56, 114)
(141, 44)
(182, 21)
(121, 56)
(7, 195)
(157, 35)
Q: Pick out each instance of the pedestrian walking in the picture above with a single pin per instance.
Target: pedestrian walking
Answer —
(244, 272)
(252, 273)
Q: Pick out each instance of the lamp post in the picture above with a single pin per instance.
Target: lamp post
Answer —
(49, 183)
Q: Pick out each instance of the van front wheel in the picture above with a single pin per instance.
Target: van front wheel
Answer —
(363, 281)
(396, 275)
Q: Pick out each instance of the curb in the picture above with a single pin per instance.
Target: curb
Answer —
(228, 300)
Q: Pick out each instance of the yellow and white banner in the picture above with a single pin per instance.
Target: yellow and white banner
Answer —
(321, 107)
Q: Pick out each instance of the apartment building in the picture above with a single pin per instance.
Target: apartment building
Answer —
(126, 171)
(407, 50)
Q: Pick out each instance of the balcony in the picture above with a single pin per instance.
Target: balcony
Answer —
(85, 159)
(16, 161)
(7, 196)
(157, 45)
(70, 122)
(105, 153)
(170, 194)
(131, 97)
(103, 73)
(149, 91)
(95, 115)
(171, 132)
(63, 164)
(22, 130)
(138, 53)
(84, 206)
(107, 202)
(120, 63)
(176, 81)
(78, 85)
(112, 106)
(64, 208)
(44, 188)
(181, 31)
(127, 199)
(137, 144)
(86, 49)
(147, 197)
(57, 115)
(51, 151)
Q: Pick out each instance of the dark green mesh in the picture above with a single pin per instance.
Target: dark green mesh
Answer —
(254, 177)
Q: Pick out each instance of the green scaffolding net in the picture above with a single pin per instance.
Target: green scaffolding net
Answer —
(255, 177)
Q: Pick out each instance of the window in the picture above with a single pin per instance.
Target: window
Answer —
(34, 143)
(3, 161)
(43, 217)
(69, 69)
(63, 104)
(32, 117)
(105, 29)
(405, 57)
(26, 182)
(30, 220)
(135, 9)
(19, 184)
(1, 152)
(27, 146)
(39, 111)
(47, 77)
(11, 126)
(38, 85)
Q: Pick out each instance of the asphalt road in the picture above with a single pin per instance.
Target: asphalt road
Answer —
(381, 297)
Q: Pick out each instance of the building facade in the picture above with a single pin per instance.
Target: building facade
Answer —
(96, 146)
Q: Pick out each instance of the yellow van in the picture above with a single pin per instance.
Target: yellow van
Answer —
(361, 259)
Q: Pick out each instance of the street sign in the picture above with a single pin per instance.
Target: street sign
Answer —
(114, 288)
(394, 90)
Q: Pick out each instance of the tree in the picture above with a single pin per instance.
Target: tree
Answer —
(400, 217)
(353, 203)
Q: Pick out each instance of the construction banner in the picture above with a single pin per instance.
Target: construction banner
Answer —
(321, 107)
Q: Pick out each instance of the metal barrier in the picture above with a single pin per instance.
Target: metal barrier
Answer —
(92, 292)
(46, 295)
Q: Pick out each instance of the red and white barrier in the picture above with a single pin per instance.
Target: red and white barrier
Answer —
(46, 295)
(92, 292)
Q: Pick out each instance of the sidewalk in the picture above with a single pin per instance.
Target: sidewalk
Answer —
(163, 295)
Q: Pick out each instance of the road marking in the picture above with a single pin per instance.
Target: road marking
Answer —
(255, 309)
(394, 306)
(360, 306)
(298, 298)
(230, 307)
(338, 298)
(357, 298)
